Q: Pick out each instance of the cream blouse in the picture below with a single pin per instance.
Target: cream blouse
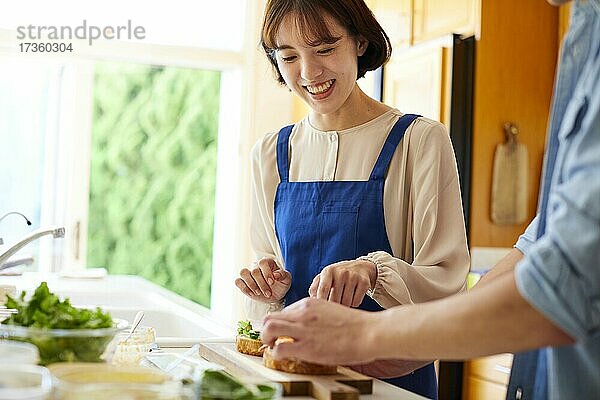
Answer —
(422, 203)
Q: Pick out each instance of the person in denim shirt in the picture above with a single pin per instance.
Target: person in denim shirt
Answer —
(542, 299)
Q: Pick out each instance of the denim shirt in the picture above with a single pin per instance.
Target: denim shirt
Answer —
(560, 273)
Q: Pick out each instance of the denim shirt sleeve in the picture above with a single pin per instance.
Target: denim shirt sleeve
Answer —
(560, 273)
(528, 237)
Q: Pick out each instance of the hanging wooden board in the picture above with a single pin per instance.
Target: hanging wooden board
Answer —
(509, 199)
(346, 385)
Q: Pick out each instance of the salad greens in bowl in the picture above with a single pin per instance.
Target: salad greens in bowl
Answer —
(60, 331)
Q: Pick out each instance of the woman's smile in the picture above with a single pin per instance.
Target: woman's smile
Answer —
(322, 90)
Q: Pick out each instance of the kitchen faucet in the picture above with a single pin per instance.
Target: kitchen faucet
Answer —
(16, 213)
(55, 232)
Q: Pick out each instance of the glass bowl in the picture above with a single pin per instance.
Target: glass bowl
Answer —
(84, 381)
(24, 382)
(57, 345)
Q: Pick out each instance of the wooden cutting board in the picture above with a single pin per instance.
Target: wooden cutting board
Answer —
(346, 385)
(509, 199)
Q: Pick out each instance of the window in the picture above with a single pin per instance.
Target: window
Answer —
(132, 187)
(27, 124)
(153, 174)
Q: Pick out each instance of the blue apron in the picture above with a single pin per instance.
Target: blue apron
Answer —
(321, 223)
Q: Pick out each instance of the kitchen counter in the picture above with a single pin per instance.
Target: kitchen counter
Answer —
(175, 319)
(171, 315)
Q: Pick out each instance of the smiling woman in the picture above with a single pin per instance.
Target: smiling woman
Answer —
(358, 203)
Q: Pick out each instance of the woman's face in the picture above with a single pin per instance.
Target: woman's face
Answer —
(323, 75)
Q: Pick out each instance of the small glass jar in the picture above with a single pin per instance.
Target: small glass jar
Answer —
(130, 351)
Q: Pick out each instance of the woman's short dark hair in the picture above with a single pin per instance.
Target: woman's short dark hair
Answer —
(354, 15)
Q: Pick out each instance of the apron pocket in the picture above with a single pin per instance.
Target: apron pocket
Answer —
(295, 230)
(339, 232)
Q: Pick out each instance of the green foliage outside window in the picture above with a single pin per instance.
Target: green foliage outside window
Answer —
(153, 166)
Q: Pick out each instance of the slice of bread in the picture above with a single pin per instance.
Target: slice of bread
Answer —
(248, 346)
(295, 365)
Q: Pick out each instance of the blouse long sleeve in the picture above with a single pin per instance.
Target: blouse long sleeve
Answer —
(264, 243)
(441, 258)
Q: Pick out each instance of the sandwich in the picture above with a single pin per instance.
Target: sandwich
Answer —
(248, 340)
(295, 365)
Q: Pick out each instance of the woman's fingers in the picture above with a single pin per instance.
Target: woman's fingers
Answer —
(261, 282)
(312, 290)
(359, 293)
(267, 266)
(325, 282)
(248, 279)
(336, 292)
(265, 281)
(348, 294)
(239, 282)
(243, 287)
(254, 281)
(284, 276)
(344, 282)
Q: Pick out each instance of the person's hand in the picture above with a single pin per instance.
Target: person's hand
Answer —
(345, 282)
(265, 281)
(323, 332)
(388, 368)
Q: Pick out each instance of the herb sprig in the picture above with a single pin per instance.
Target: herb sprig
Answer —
(245, 329)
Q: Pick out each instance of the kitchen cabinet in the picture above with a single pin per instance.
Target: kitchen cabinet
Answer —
(435, 18)
(415, 82)
(514, 76)
(414, 21)
(477, 389)
(515, 58)
(395, 16)
(487, 377)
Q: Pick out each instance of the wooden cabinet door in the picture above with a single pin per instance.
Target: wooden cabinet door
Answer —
(435, 18)
(478, 389)
(414, 82)
(493, 368)
(395, 16)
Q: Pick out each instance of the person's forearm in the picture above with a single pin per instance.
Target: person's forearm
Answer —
(506, 264)
(491, 320)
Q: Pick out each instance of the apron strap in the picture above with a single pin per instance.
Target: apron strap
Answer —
(389, 147)
(283, 139)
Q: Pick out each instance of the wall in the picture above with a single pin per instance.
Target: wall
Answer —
(514, 73)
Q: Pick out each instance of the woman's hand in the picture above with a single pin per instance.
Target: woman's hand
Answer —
(345, 282)
(265, 281)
